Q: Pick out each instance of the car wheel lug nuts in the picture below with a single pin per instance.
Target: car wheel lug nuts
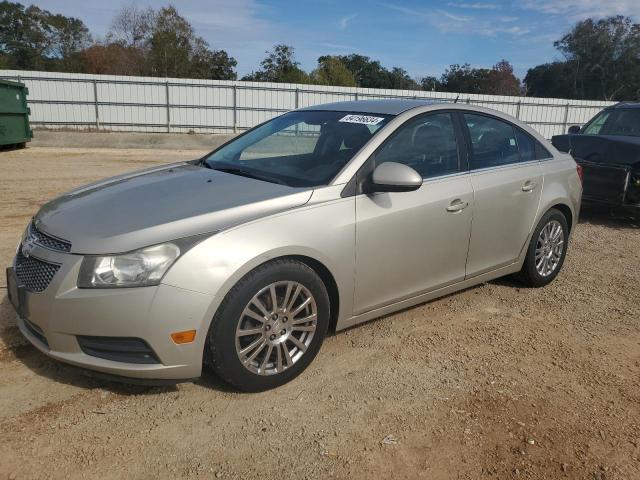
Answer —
(267, 327)
(283, 332)
(272, 337)
(275, 316)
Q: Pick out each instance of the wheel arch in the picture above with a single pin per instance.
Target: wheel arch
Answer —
(313, 262)
(329, 282)
(566, 211)
(559, 204)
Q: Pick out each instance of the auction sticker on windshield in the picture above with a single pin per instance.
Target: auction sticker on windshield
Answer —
(363, 119)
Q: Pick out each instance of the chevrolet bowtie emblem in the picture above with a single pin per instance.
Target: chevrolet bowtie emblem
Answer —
(27, 248)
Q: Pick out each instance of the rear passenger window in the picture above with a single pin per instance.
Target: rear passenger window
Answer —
(530, 148)
(542, 152)
(526, 146)
(427, 144)
(493, 141)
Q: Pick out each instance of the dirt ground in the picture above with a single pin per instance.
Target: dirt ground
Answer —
(497, 381)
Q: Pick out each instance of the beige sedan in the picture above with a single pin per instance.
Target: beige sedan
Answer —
(314, 221)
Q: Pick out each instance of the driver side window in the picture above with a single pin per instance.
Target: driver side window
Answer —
(427, 144)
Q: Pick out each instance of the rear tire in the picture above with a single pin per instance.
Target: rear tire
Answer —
(547, 250)
(256, 344)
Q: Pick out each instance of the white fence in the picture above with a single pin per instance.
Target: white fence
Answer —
(151, 104)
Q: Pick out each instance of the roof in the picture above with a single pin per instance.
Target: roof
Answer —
(626, 105)
(383, 107)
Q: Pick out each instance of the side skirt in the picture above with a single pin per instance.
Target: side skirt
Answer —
(425, 297)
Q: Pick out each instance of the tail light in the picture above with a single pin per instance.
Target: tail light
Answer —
(580, 172)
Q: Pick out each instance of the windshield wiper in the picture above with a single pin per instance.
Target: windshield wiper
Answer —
(249, 174)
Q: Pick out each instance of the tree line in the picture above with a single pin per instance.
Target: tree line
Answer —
(600, 58)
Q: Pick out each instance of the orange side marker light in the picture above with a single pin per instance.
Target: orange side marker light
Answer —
(187, 336)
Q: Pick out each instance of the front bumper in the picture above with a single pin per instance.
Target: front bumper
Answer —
(52, 320)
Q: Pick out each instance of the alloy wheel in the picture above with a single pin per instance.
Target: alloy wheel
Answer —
(276, 327)
(549, 248)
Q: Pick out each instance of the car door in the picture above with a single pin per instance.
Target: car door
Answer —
(412, 242)
(507, 183)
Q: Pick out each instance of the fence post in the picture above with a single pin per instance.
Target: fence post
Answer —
(297, 98)
(357, 96)
(95, 102)
(235, 109)
(166, 85)
(518, 110)
(566, 117)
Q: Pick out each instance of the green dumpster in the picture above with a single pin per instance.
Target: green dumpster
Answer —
(14, 114)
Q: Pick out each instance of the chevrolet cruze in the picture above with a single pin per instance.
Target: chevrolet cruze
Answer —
(314, 221)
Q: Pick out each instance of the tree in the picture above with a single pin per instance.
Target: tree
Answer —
(606, 57)
(371, 74)
(125, 51)
(32, 38)
(430, 84)
(162, 43)
(501, 80)
(368, 73)
(133, 27)
(171, 44)
(114, 59)
(602, 61)
(69, 36)
(23, 36)
(400, 79)
(464, 79)
(550, 80)
(331, 71)
(280, 66)
(213, 64)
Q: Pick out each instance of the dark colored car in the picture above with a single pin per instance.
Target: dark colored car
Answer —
(608, 149)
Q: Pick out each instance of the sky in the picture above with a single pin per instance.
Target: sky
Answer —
(423, 37)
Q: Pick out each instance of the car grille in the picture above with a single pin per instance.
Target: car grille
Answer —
(34, 274)
(47, 241)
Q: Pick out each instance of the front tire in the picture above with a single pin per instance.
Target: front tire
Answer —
(269, 327)
(547, 250)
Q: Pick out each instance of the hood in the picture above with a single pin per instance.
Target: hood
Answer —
(603, 149)
(161, 204)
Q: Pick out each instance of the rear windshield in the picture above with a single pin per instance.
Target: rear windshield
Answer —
(303, 149)
(619, 121)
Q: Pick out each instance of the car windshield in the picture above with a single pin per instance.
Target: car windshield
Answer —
(621, 121)
(301, 149)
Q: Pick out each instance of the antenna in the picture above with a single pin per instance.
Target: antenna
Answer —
(456, 100)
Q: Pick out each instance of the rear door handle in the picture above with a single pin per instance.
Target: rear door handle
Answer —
(529, 186)
(457, 206)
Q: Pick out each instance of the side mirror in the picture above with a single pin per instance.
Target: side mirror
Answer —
(395, 177)
(574, 129)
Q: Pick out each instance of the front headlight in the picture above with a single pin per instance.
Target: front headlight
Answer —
(141, 268)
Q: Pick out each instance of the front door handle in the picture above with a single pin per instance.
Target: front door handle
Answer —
(457, 206)
(529, 186)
